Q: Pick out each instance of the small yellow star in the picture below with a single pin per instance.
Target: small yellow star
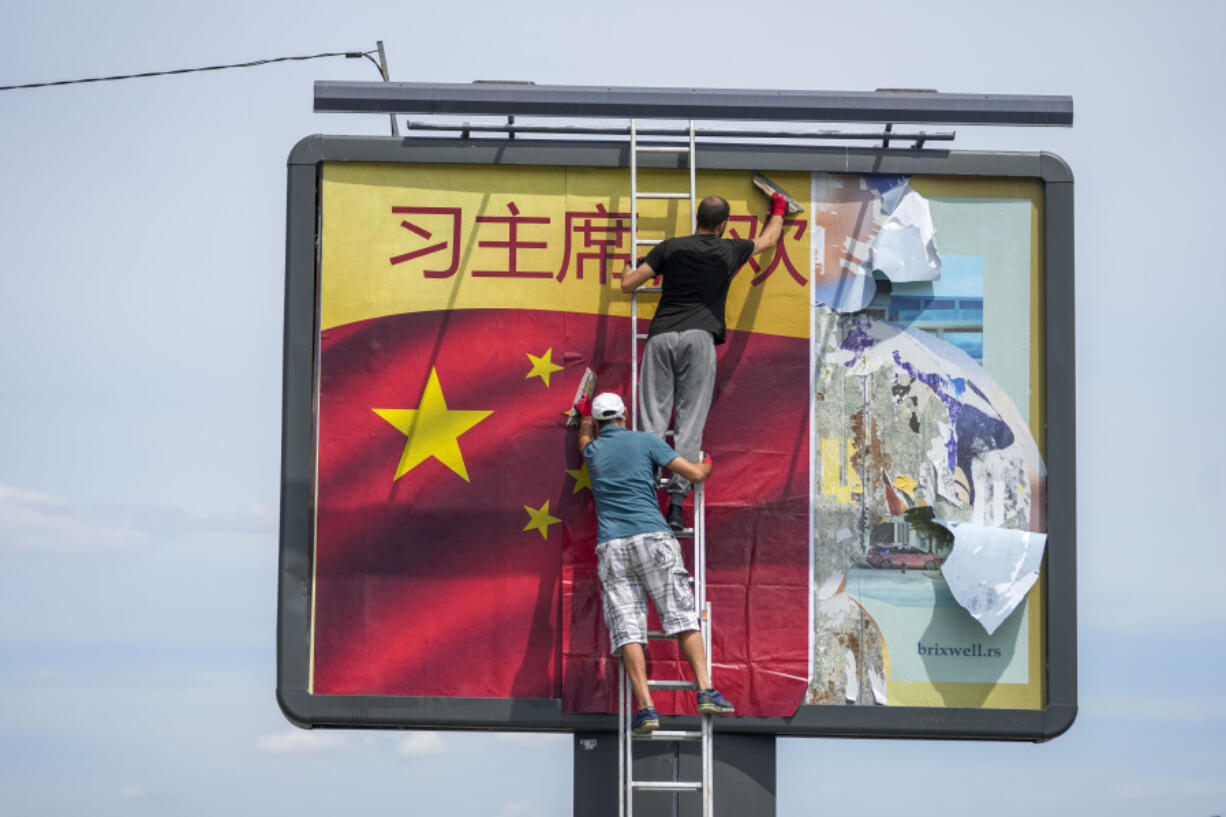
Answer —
(433, 430)
(543, 366)
(581, 477)
(539, 519)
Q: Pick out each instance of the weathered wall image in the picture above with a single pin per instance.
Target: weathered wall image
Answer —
(912, 435)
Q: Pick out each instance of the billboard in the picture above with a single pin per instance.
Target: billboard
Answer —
(890, 523)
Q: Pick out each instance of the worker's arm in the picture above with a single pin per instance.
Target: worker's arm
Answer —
(587, 432)
(693, 471)
(774, 224)
(632, 279)
(770, 236)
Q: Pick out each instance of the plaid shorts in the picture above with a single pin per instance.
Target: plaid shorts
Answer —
(633, 567)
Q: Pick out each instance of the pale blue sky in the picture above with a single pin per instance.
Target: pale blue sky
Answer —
(142, 244)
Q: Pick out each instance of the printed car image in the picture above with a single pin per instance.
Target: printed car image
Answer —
(888, 556)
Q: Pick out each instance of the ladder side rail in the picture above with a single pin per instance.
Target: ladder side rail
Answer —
(708, 770)
(634, 296)
(622, 738)
(693, 187)
(700, 569)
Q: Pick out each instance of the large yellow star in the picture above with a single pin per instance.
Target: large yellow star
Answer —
(539, 519)
(543, 366)
(581, 477)
(433, 430)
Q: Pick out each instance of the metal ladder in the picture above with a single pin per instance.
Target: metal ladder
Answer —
(636, 242)
(626, 739)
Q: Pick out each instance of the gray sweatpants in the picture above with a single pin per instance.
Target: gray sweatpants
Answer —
(678, 377)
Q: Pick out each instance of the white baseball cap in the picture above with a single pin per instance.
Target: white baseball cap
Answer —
(608, 406)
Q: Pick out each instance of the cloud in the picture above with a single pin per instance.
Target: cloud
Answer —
(34, 521)
(296, 741)
(1167, 788)
(30, 520)
(535, 739)
(134, 791)
(1182, 709)
(521, 808)
(421, 744)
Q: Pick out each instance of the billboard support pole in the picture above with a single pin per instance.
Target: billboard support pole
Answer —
(744, 779)
(383, 71)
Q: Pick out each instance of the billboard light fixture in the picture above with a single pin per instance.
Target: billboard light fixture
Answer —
(467, 128)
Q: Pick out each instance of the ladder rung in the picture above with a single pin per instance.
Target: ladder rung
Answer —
(670, 734)
(641, 335)
(667, 785)
(649, 290)
(672, 685)
(663, 148)
(659, 634)
(661, 195)
(642, 241)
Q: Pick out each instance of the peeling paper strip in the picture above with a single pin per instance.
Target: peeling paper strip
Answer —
(891, 188)
(830, 585)
(849, 291)
(853, 682)
(877, 682)
(905, 248)
(991, 570)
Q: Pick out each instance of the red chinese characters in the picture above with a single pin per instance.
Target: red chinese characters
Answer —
(594, 236)
(513, 245)
(455, 214)
(599, 241)
(780, 256)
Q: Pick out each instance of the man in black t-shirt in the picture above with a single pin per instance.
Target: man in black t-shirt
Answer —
(678, 374)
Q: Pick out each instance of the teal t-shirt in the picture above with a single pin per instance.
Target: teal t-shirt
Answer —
(622, 465)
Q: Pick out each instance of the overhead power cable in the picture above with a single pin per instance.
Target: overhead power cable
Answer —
(252, 64)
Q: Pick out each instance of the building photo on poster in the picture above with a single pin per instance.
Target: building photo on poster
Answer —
(879, 558)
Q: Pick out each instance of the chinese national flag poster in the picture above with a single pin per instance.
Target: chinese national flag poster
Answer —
(455, 531)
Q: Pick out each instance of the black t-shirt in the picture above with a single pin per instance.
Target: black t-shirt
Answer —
(697, 271)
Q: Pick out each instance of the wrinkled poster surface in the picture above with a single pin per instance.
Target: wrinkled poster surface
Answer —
(876, 390)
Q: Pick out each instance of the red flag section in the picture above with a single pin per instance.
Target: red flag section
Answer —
(455, 544)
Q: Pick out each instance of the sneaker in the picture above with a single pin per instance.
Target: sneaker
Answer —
(645, 721)
(676, 520)
(710, 702)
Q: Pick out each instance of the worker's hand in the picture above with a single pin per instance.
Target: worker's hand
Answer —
(709, 465)
(779, 205)
(584, 407)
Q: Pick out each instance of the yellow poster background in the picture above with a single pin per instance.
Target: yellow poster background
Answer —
(361, 233)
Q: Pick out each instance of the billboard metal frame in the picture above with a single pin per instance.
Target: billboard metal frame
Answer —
(502, 98)
(300, 367)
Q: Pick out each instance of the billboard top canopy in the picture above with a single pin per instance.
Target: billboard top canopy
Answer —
(509, 99)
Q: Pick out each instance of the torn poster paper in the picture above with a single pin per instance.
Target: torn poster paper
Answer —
(890, 187)
(884, 226)
(910, 428)
(991, 570)
(850, 665)
(905, 248)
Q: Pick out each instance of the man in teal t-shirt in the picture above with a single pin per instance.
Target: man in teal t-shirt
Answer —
(637, 554)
